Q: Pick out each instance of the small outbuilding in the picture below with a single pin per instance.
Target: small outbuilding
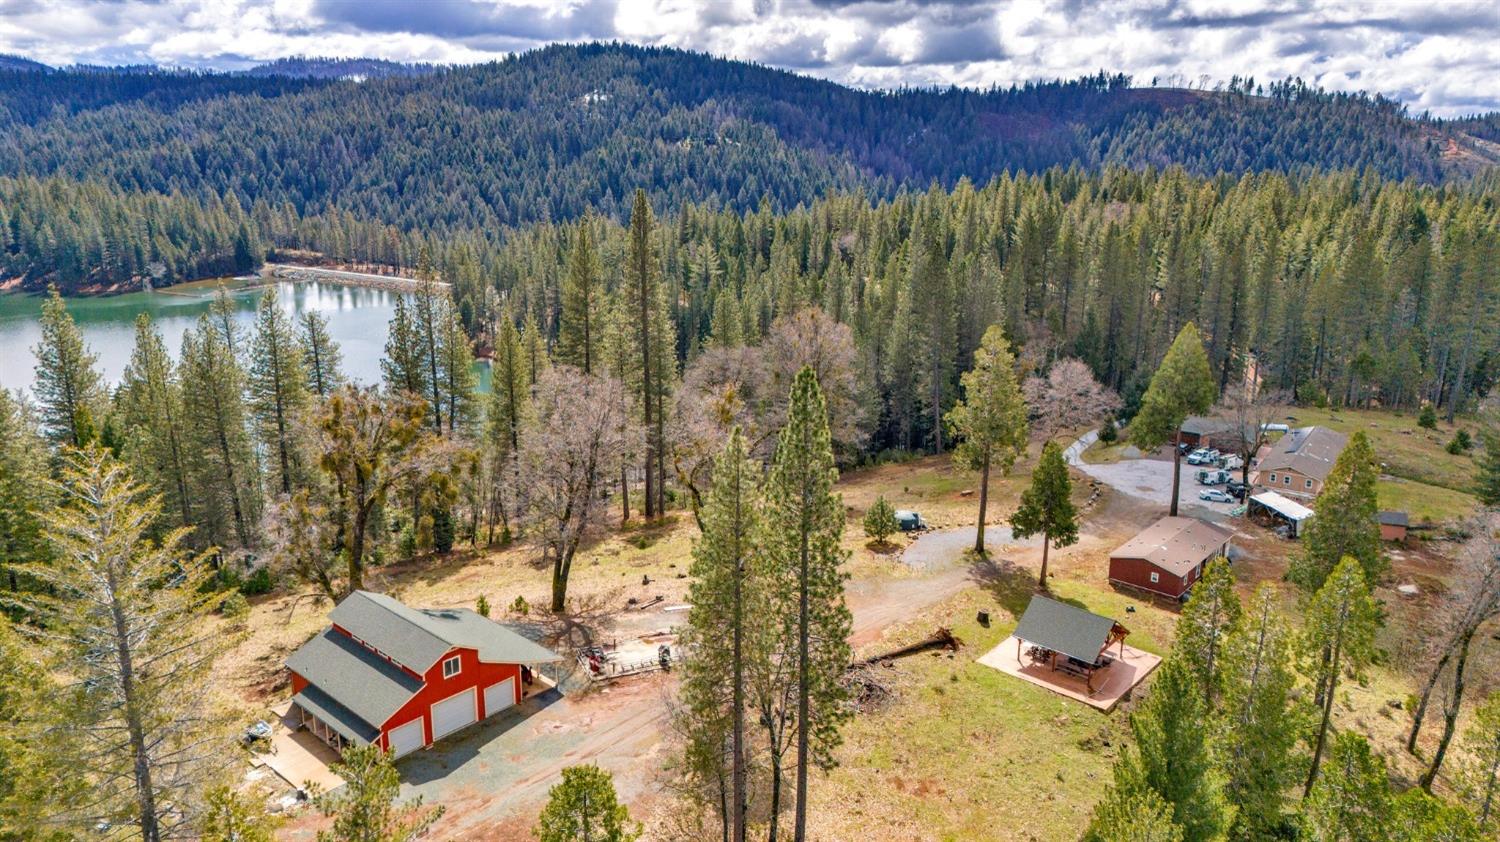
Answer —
(1221, 433)
(1392, 525)
(1168, 556)
(402, 678)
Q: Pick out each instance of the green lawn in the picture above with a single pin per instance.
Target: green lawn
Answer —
(1404, 449)
(968, 753)
(1424, 504)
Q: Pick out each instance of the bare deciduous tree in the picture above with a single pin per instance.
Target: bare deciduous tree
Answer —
(567, 461)
(810, 338)
(1068, 398)
(722, 388)
(1246, 408)
(1473, 601)
(748, 387)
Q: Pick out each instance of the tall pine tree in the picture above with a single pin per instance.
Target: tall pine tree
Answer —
(802, 527)
(990, 421)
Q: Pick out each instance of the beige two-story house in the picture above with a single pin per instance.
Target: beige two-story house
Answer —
(1297, 465)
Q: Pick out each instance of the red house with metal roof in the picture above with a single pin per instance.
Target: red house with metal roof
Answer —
(402, 678)
(1168, 556)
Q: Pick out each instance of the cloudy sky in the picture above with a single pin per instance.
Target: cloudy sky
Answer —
(1438, 55)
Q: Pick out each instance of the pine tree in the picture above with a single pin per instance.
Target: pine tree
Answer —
(534, 350)
(803, 524)
(150, 404)
(1351, 801)
(320, 354)
(1259, 721)
(1172, 756)
(724, 598)
(579, 328)
(506, 412)
(1183, 385)
(365, 807)
(936, 320)
(1416, 814)
(68, 388)
(622, 359)
(230, 815)
(1343, 522)
(34, 788)
(24, 494)
(124, 619)
(583, 807)
(1488, 490)
(277, 384)
(455, 370)
(990, 421)
(1338, 636)
(402, 366)
(1137, 814)
(642, 277)
(221, 458)
(1046, 506)
(1207, 620)
(880, 520)
(429, 306)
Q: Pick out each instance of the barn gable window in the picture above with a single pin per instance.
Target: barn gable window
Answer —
(1273, 478)
(1155, 577)
(451, 666)
(1309, 483)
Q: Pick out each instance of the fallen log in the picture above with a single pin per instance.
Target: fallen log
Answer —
(941, 639)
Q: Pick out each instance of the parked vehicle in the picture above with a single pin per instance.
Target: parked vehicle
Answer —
(1236, 489)
(1212, 477)
(1214, 495)
(1203, 456)
(909, 521)
(1230, 462)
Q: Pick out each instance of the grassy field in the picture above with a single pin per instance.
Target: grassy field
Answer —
(968, 753)
(1405, 450)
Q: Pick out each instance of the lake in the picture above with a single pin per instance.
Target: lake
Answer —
(358, 318)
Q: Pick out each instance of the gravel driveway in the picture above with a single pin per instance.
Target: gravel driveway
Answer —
(939, 547)
(1148, 479)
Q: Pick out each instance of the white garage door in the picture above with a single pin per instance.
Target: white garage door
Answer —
(498, 697)
(407, 738)
(453, 713)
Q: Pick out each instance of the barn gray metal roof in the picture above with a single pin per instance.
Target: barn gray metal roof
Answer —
(336, 716)
(1064, 628)
(368, 686)
(418, 637)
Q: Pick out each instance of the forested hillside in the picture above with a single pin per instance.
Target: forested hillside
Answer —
(467, 152)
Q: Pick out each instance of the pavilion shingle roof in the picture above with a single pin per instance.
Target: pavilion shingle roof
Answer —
(1064, 628)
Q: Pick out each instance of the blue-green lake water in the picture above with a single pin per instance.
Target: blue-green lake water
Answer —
(358, 318)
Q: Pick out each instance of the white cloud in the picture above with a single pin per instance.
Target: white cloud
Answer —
(1443, 57)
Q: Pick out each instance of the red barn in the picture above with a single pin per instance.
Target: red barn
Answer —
(403, 678)
(1168, 556)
